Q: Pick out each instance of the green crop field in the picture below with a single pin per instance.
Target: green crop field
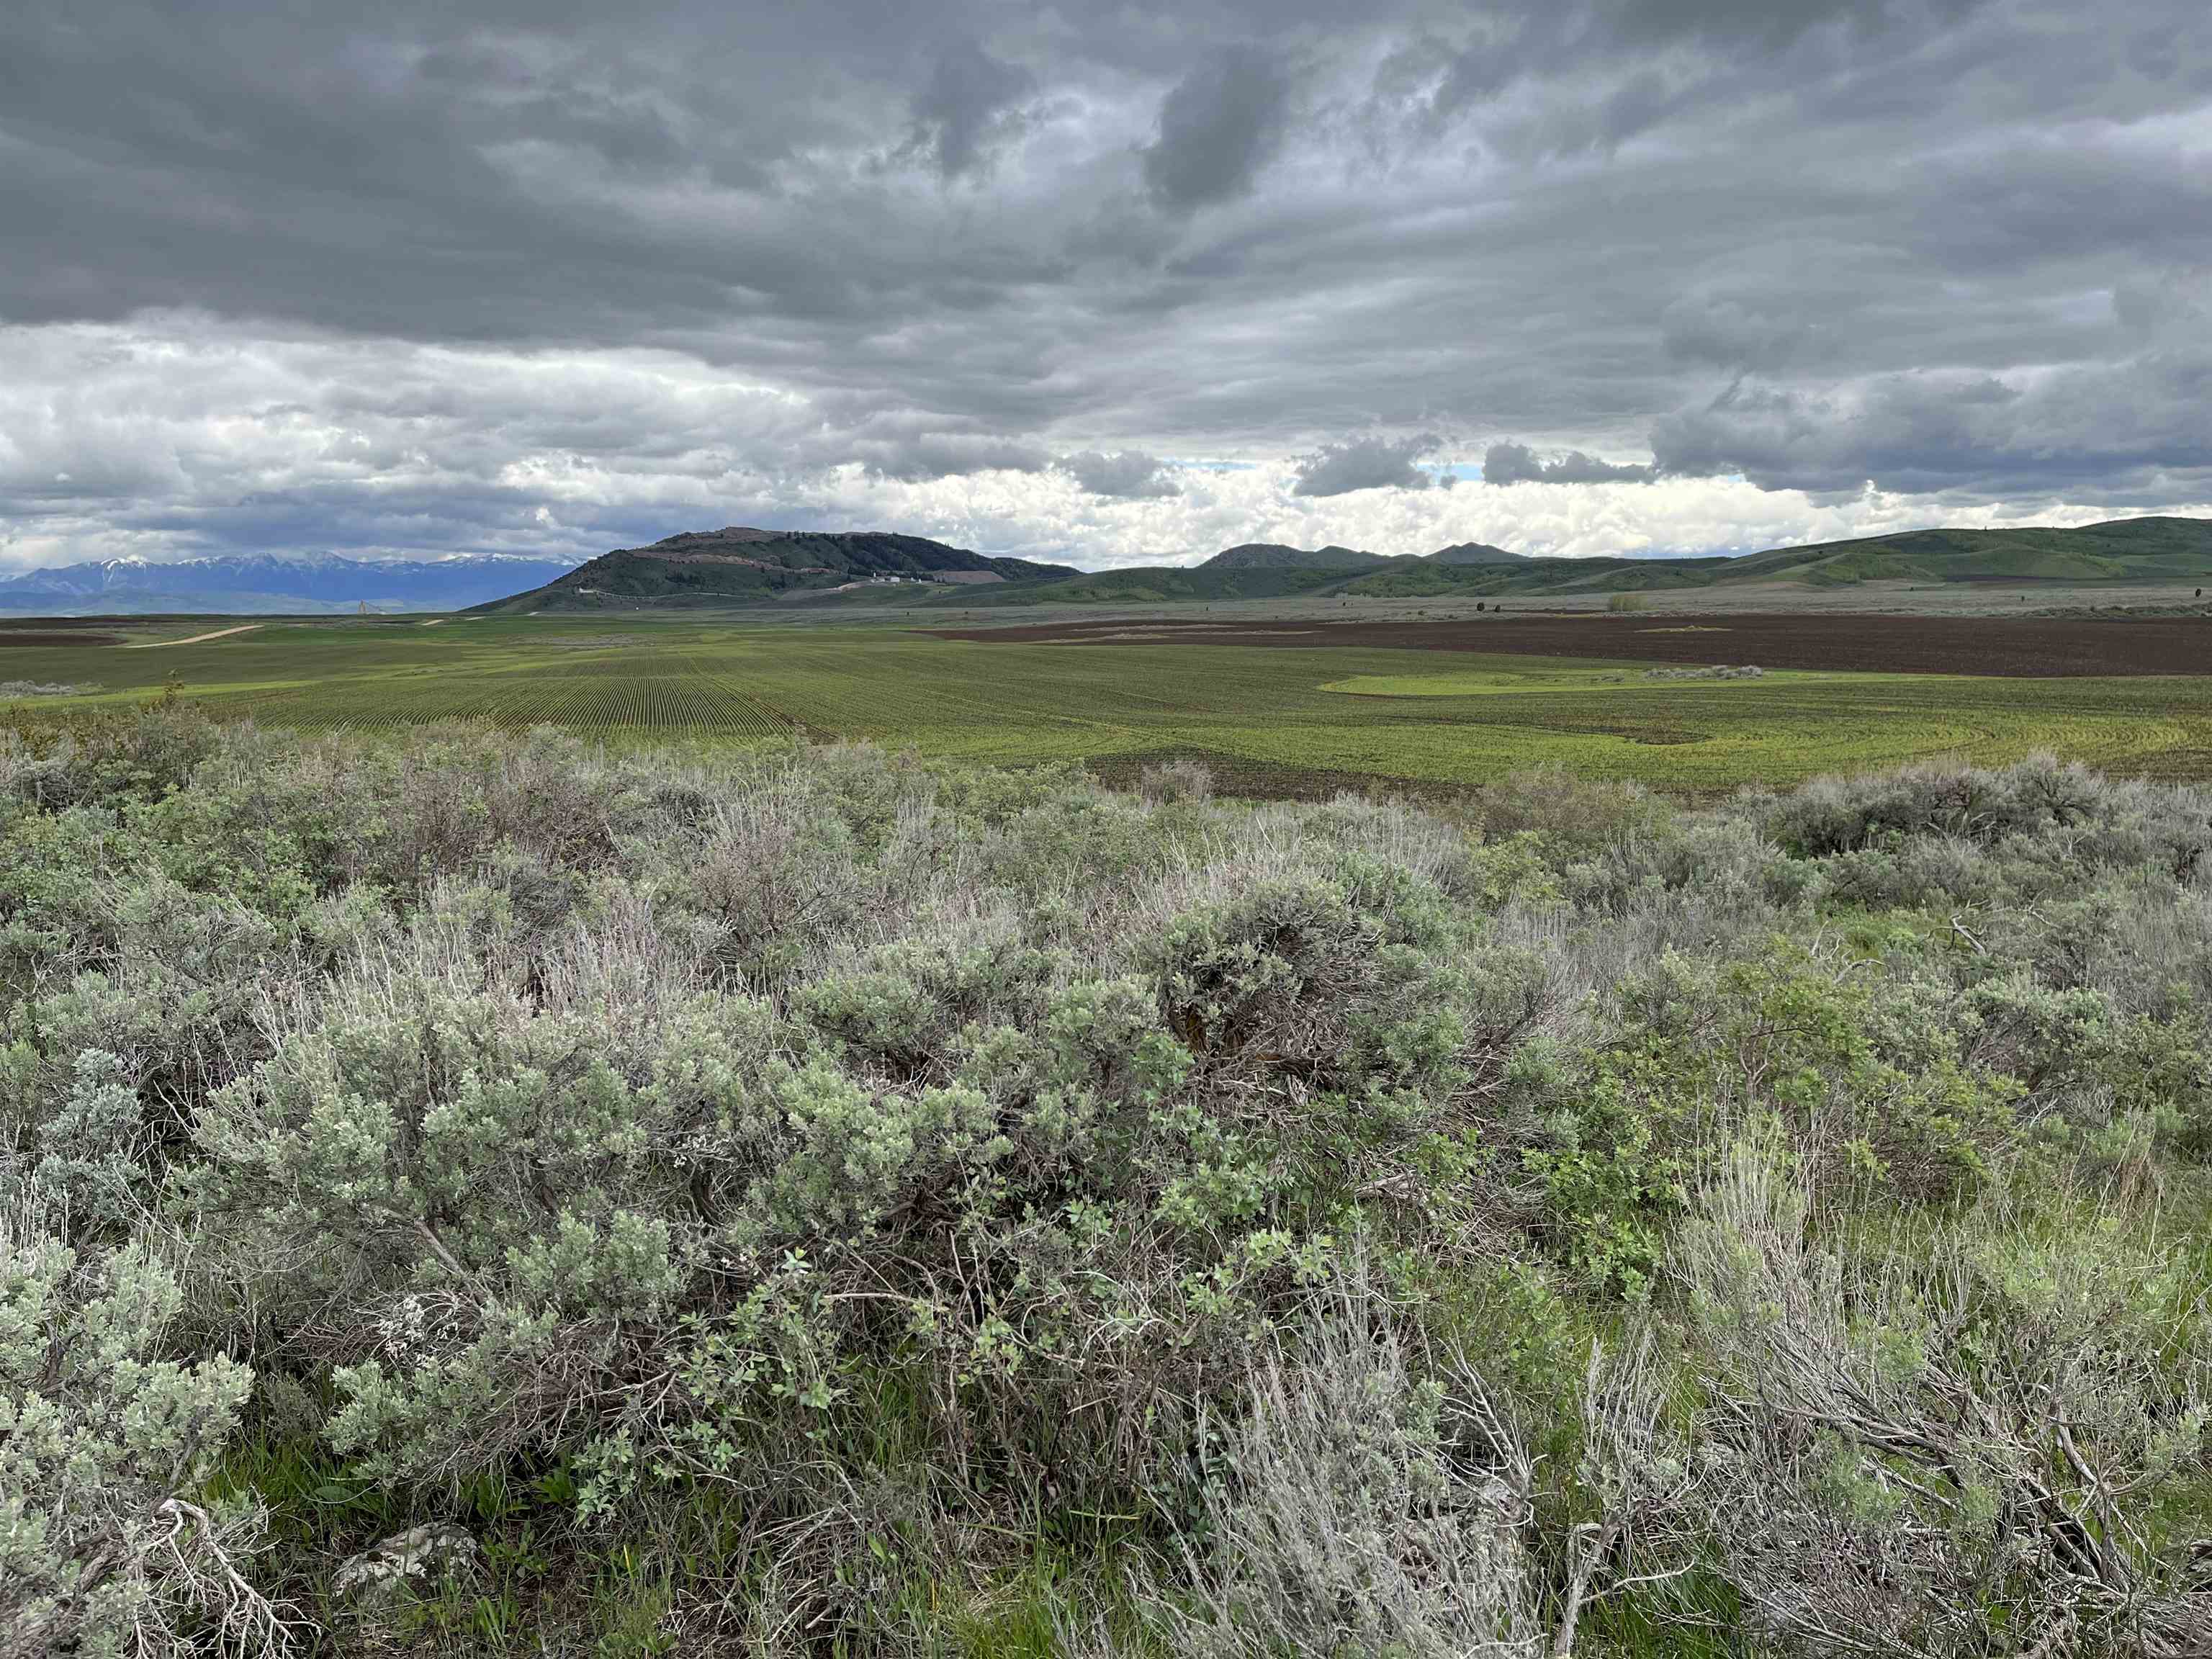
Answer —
(1270, 719)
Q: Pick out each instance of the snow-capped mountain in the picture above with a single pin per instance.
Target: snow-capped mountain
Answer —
(274, 584)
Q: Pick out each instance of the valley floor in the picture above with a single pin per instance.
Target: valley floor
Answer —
(1290, 707)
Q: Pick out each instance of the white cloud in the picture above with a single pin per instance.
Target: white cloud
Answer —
(180, 435)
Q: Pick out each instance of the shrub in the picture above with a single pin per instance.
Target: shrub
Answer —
(1914, 1443)
(104, 1442)
(1576, 816)
(1361, 1509)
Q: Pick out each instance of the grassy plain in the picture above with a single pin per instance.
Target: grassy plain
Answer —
(1278, 719)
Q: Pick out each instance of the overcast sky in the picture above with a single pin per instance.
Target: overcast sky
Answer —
(1108, 283)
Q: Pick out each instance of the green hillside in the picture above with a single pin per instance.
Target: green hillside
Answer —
(2122, 551)
(1154, 584)
(1271, 556)
(1474, 553)
(740, 566)
(2127, 551)
(1421, 578)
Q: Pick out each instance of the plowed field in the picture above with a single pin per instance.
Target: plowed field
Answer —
(2037, 648)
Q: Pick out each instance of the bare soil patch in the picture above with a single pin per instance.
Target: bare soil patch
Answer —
(2009, 646)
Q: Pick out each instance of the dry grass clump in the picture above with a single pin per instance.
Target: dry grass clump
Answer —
(1184, 779)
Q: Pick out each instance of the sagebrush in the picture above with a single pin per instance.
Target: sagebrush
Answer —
(824, 1201)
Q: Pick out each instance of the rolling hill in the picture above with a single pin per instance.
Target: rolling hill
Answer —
(2149, 550)
(1474, 553)
(740, 566)
(1272, 555)
(2122, 550)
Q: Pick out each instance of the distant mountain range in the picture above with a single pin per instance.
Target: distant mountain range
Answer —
(738, 566)
(266, 584)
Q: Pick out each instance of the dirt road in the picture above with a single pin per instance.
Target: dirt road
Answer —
(196, 639)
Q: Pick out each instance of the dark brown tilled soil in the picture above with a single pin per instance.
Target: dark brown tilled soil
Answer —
(2016, 647)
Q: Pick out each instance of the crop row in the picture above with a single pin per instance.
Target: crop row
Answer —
(514, 700)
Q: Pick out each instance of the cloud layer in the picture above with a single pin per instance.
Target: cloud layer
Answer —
(1109, 284)
(1370, 463)
(1509, 463)
(1127, 475)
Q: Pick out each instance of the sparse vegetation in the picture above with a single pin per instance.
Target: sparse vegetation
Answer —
(1178, 780)
(815, 1200)
(10, 691)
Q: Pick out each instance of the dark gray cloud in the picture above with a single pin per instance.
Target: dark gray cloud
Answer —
(2112, 433)
(1734, 332)
(969, 101)
(1370, 463)
(1218, 127)
(916, 457)
(1956, 248)
(1126, 475)
(1511, 462)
